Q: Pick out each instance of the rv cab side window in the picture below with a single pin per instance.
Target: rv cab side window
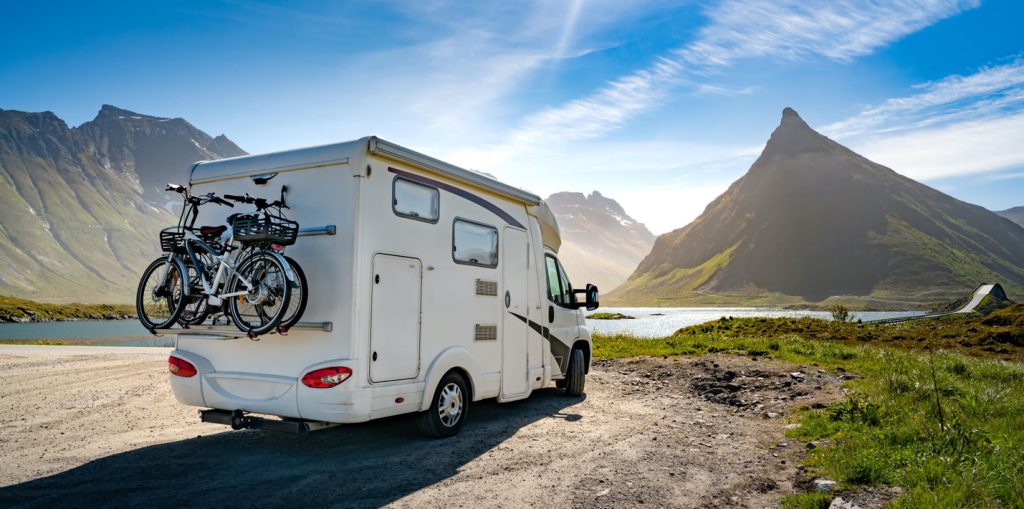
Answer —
(559, 289)
(415, 201)
(474, 244)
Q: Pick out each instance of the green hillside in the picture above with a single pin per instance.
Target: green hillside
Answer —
(75, 225)
(813, 223)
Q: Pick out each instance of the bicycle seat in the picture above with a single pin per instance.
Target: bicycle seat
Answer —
(212, 230)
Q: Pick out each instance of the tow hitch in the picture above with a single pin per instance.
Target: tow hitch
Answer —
(238, 420)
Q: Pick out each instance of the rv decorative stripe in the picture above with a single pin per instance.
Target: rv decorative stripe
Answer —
(460, 192)
(558, 348)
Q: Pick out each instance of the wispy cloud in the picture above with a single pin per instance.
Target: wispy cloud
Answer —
(961, 148)
(958, 125)
(988, 91)
(738, 30)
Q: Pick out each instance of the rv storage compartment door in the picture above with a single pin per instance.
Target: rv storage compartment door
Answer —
(395, 318)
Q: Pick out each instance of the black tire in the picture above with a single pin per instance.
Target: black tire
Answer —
(260, 313)
(159, 305)
(438, 421)
(297, 302)
(197, 307)
(575, 377)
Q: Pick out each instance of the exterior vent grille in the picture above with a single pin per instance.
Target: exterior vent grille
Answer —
(485, 332)
(485, 287)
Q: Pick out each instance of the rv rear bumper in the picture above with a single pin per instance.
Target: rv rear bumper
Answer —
(238, 420)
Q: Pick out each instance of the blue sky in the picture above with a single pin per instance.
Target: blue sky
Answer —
(659, 104)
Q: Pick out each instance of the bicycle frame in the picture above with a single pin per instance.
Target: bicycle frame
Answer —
(225, 268)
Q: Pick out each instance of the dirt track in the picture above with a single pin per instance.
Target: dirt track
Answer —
(104, 430)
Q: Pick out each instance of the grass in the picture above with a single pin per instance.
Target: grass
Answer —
(609, 316)
(13, 309)
(947, 425)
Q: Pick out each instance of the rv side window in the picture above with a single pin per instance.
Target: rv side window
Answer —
(474, 243)
(559, 289)
(415, 201)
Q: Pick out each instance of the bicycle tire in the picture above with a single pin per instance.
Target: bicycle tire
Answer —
(197, 308)
(259, 268)
(161, 298)
(297, 302)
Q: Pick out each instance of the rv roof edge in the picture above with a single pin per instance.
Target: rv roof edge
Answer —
(391, 150)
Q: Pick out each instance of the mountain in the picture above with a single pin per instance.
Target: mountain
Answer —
(80, 207)
(601, 243)
(1016, 214)
(814, 222)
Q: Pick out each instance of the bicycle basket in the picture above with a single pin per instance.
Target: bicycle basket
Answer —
(171, 239)
(258, 229)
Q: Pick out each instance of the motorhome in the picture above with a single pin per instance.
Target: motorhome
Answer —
(430, 287)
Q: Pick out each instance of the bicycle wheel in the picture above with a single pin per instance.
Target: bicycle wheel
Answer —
(161, 294)
(260, 310)
(297, 302)
(196, 305)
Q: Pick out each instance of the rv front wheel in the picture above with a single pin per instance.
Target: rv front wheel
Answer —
(575, 377)
(448, 410)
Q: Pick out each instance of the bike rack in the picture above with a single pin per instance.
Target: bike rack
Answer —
(318, 230)
(226, 332)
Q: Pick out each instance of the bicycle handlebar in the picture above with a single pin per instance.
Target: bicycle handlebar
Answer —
(221, 201)
(239, 199)
(261, 203)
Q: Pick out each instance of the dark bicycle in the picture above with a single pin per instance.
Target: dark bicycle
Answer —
(248, 273)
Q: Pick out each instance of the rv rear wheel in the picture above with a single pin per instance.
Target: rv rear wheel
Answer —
(575, 377)
(448, 410)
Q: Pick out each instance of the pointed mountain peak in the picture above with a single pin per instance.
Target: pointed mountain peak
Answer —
(790, 118)
(793, 135)
(108, 111)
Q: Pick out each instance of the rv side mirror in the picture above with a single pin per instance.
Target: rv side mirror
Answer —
(592, 297)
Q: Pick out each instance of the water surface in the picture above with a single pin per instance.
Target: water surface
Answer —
(659, 322)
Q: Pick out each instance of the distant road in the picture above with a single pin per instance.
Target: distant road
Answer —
(979, 295)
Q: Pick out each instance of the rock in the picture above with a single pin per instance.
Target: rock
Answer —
(795, 425)
(798, 376)
(839, 503)
(824, 485)
(812, 445)
(771, 415)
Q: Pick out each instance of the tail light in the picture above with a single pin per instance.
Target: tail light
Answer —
(180, 367)
(326, 378)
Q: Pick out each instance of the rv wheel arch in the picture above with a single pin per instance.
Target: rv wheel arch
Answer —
(584, 346)
(453, 359)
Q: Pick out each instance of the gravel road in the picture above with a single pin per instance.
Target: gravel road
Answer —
(99, 427)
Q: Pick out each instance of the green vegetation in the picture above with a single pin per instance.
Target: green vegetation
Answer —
(840, 313)
(609, 316)
(937, 416)
(13, 309)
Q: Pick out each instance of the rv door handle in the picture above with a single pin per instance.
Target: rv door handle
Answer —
(551, 314)
(374, 356)
(376, 279)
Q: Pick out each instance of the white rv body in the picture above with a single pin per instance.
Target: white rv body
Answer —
(387, 298)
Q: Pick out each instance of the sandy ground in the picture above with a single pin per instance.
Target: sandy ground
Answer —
(99, 427)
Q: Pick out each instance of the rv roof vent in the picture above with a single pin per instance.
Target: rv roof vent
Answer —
(485, 333)
(485, 287)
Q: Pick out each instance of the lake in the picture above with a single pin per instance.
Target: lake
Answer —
(649, 323)
(659, 322)
(91, 332)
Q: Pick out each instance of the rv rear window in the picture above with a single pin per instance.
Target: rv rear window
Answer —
(416, 201)
(474, 244)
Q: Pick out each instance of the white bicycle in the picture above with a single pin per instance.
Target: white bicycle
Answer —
(207, 267)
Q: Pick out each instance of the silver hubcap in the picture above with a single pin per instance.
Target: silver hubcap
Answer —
(449, 405)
